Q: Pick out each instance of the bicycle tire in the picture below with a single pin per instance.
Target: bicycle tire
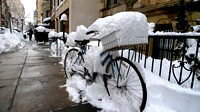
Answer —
(69, 59)
(124, 80)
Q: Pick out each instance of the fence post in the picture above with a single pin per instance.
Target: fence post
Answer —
(162, 57)
(172, 49)
(196, 59)
(146, 54)
(182, 61)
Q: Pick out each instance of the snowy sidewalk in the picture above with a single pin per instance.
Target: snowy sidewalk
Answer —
(30, 80)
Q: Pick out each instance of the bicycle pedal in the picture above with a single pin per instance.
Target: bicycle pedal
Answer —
(90, 81)
(109, 76)
(99, 99)
(71, 73)
(94, 75)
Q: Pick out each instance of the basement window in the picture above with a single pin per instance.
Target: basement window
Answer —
(111, 2)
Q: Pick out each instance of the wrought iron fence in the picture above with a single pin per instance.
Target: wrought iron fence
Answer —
(166, 46)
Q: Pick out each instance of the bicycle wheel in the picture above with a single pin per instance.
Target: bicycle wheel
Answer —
(70, 58)
(127, 82)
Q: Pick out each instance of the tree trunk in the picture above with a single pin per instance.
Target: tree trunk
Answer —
(8, 14)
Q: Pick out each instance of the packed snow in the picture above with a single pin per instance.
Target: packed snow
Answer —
(123, 22)
(63, 17)
(196, 28)
(54, 34)
(11, 42)
(162, 95)
(120, 30)
(42, 29)
(47, 19)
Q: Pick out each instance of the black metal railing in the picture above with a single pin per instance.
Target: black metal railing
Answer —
(165, 46)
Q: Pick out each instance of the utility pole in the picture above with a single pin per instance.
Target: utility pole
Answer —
(8, 14)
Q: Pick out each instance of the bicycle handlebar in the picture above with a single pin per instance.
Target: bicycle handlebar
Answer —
(92, 31)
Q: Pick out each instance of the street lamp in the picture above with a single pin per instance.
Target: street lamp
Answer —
(63, 20)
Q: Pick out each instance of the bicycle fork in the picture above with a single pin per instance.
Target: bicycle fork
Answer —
(109, 56)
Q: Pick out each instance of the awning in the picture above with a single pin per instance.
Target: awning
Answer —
(47, 20)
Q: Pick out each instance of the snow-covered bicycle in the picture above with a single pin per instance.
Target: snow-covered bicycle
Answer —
(121, 77)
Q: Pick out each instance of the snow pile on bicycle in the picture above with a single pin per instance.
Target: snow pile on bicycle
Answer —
(109, 80)
(114, 76)
(122, 30)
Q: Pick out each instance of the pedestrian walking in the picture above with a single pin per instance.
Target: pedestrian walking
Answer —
(30, 32)
(50, 41)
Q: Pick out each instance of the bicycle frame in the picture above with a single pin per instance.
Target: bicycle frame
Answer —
(80, 53)
(116, 76)
(109, 56)
(83, 51)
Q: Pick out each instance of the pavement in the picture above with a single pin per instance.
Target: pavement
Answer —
(30, 81)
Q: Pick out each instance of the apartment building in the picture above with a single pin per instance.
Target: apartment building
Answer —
(158, 11)
(38, 17)
(79, 12)
(85, 12)
(45, 9)
(17, 12)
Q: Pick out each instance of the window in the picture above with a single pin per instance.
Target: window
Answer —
(111, 2)
(115, 1)
(108, 3)
(47, 13)
(58, 2)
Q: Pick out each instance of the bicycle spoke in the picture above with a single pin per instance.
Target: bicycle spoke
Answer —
(136, 97)
(128, 82)
(135, 90)
(134, 94)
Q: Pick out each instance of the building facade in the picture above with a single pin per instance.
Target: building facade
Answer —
(85, 12)
(38, 12)
(157, 11)
(17, 11)
(79, 12)
(2, 14)
(45, 9)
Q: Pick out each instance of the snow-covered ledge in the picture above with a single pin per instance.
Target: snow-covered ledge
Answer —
(174, 33)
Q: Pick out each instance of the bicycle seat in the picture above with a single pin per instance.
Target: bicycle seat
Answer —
(82, 42)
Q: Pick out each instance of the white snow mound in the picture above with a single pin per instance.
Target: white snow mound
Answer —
(128, 23)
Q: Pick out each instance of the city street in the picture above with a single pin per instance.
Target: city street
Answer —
(30, 81)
